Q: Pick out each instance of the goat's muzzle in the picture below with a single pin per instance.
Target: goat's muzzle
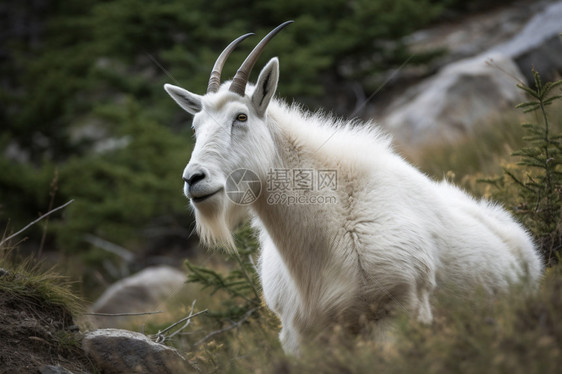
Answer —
(197, 183)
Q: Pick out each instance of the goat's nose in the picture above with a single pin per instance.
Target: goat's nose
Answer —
(192, 177)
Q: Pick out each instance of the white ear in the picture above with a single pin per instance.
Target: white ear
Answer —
(266, 86)
(190, 102)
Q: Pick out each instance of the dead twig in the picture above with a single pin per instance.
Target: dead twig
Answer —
(34, 222)
(161, 336)
(122, 314)
(227, 328)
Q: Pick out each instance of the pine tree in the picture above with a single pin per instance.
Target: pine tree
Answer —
(241, 283)
(540, 183)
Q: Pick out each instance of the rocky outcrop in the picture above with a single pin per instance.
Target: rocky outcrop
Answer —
(125, 352)
(469, 91)
(539, 44)
(449, 104)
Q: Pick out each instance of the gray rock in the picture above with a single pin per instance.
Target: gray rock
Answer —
(125, 352)
(539, 44)
(141, 292)
(450, 103)
(466, 92)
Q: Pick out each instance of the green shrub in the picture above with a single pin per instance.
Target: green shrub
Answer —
(240, 283)
(533, 186)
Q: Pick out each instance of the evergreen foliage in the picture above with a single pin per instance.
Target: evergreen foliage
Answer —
(241, 283)
(541, 183)
(71, 81)
(119, 191)
(532, 187)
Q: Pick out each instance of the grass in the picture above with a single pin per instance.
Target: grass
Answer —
(515, 333)
(37, 327)
(480, 153)
(483, 153)
(27, 280)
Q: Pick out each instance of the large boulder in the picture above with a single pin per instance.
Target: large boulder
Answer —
(125, 352)
(470, 91)
(450, 103)
(142, 292)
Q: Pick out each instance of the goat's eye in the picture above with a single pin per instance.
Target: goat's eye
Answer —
(241, 117)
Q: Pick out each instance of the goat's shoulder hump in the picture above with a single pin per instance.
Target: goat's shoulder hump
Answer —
(330, 135)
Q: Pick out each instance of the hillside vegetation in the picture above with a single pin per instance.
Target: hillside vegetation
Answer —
(84, 117)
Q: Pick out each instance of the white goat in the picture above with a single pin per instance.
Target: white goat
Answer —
(384, 237)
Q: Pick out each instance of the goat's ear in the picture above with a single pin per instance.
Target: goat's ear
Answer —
(266, 86)
(190, 102)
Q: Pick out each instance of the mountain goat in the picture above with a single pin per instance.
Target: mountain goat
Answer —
(348, 229)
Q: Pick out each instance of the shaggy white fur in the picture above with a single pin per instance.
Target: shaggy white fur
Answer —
(387, 240)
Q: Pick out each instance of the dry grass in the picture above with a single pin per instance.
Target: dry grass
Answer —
(36, 319)
(515, 333)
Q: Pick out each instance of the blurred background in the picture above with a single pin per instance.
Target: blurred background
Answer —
(83, 114)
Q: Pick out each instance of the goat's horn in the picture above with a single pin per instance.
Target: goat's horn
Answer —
(241, 78)
(215, 79)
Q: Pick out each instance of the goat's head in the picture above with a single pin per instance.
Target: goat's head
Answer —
(231, 136)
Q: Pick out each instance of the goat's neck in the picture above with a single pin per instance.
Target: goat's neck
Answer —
(299, 230)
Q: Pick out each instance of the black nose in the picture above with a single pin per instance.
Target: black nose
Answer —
(192, 178)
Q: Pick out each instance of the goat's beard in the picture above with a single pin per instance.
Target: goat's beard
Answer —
(215, 224)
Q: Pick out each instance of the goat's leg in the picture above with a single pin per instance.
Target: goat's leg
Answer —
(423, 313)
(290, 340)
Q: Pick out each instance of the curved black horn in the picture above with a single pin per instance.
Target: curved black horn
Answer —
(215, 79)
(241, 78)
